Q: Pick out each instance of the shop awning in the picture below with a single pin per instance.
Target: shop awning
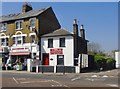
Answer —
(19, 53)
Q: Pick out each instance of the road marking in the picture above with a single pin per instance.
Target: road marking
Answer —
(113, 85)
(21, 79)
(36, 81)
(75, 78)
(94, 76)
(59, 84)
(15, 80)
(105, 76)
(93, 79)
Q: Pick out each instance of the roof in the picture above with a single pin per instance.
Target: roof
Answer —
(22, 15)
(58, 32)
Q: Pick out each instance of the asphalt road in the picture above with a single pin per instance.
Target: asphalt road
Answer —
(26, 79)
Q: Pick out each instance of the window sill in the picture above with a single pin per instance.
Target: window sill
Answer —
(19, 29)
(62, 46)
(3, 30)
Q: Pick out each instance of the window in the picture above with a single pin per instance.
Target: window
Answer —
(32, 39)
(3, 27)
(18, 25)
(19, 40)
(62, 42)
(23, 39)
(4, 41)
(32, 22)
(7, 42)
(13, 40)
(50, 43)
(60, 59)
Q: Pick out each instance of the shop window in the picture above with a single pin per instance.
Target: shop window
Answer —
(62, 42)
(60, 59)
(50, 43)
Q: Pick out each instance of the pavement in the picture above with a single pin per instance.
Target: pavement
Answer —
(113, 72)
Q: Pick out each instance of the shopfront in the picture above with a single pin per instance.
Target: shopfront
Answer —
(4, 55)
(19, 53)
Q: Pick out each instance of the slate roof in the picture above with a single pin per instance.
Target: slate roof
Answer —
(58, 32)
(22, 15)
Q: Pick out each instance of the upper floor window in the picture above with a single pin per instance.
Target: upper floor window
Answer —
(19, 24)
(3, 27)
(32, 22)
(62, 42)
(4, 41)
(19, 40)
(32, 38)
(50, 43)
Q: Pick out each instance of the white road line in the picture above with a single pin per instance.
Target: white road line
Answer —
(105, 76)
(75, 78)
(36, 81)
(113, 85)
(15, 80)
(21, 79)
(94, 76)
(59, 84)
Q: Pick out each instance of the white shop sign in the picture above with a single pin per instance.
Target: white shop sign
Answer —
(20, 50)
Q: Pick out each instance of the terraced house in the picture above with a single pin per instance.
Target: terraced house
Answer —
(19, 32)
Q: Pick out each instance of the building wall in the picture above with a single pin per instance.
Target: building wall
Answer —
(117, 59)
(12, 31)
(47, 22)
(68, 51)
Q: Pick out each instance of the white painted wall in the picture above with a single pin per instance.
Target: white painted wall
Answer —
(68, 51)
(117, 58)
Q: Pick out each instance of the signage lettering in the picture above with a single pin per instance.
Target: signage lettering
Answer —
(56, 51)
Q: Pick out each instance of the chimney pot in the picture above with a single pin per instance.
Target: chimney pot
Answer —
(81, 27)
(75, 21)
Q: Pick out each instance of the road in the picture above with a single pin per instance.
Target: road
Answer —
(27, 79)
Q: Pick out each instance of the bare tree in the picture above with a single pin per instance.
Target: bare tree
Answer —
(93, 48)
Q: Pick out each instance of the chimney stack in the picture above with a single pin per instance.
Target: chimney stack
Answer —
(75, 27)
(26, 7)
(82, 32)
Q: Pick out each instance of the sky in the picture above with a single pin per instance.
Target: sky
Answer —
(100, 19)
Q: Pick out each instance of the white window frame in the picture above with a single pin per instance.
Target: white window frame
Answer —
(3, 27)
(5, 43)
(21, 37)
(19, 28)
(30, 22)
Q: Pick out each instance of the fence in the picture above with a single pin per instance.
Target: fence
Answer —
(56, 69)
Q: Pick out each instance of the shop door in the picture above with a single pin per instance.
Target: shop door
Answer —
(45, 59)
(60, 59)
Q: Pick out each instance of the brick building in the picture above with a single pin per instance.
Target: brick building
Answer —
(20, 32)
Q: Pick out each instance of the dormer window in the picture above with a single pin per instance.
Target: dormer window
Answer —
(32, 22)
(19, 24)
(3, 27)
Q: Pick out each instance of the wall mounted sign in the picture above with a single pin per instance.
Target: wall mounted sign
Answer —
(56, 51)
(24, 49)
